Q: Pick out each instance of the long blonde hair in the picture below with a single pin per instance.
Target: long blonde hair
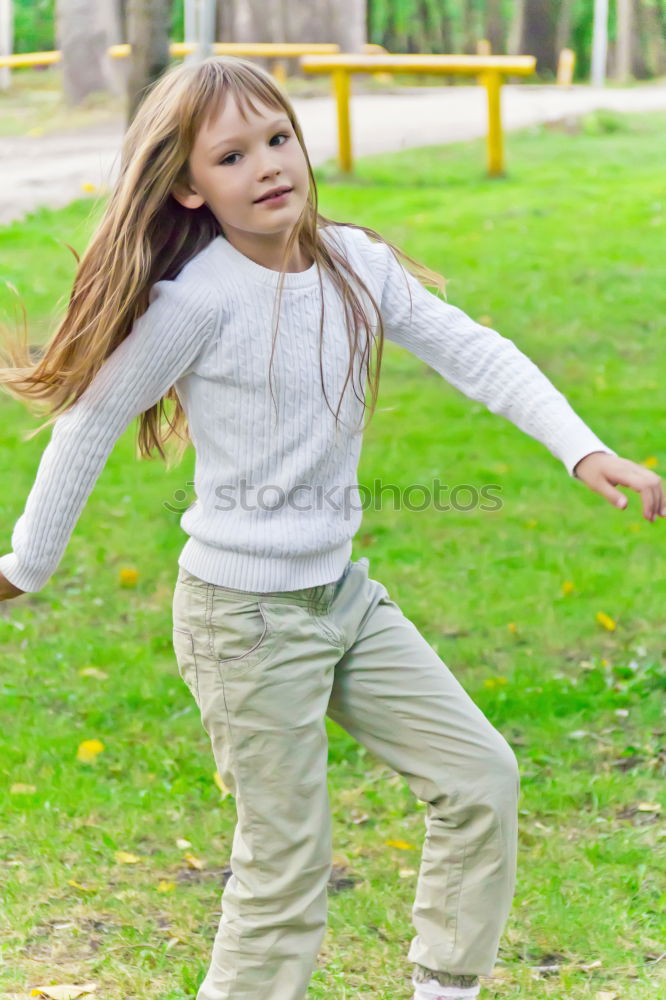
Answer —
(145, 235)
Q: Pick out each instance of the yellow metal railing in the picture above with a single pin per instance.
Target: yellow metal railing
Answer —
(277, 51)
(489, 71)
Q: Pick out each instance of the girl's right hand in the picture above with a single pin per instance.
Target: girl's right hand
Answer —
(8, 590)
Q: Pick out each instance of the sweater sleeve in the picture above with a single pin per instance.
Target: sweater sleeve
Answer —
(477, 360)
(161, 346)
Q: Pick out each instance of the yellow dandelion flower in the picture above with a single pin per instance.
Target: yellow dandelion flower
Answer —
(606, 621)
(512, 627)
(88, 187)
(165, 886)
(402, 845)
(651, 462)
(128, 577)
(89, 749)
(568, 587)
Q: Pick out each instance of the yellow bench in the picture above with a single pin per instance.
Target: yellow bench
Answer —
(488, 69)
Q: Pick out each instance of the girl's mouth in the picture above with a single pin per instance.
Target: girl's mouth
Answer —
(275, 199)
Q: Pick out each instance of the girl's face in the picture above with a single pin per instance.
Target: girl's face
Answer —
(234, 163)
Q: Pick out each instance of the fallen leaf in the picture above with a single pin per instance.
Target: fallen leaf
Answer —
(124, 858)
(221, 785)
(77, 885)
(93, 672)
(18, 789)
(193, 861)
(65, 991)
(401, 844)
(165, 886)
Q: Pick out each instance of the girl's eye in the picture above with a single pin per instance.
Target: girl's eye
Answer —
(227, 159)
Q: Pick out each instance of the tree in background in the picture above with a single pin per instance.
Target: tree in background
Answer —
(416, 26)
(536, 27)
(84, 32)
(148, 30)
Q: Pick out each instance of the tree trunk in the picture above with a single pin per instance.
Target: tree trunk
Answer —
(515, 39)
(494, 25)
(225, 20)
(655, 20)
(111, 19)
(84, 31)
(539, 33)
(6, 40)
(340, 21)
(642, 61)
(564, 25)
(148, 27)
(623, 45)
(469, 28)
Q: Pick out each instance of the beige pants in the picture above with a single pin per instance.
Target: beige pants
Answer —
(265, 670)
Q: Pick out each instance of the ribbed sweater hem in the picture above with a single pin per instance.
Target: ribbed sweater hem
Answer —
(268, 574)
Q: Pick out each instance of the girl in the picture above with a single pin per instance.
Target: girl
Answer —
(210, 246)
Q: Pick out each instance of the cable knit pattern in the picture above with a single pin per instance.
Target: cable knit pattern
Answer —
(209, 333)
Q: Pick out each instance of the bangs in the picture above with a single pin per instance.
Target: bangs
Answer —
(222, 81)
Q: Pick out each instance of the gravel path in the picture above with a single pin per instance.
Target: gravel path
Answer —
(51, 169)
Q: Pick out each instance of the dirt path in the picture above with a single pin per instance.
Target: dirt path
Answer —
(51, 169)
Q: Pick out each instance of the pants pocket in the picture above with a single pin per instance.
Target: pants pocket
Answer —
(183, 647)
(239, 631)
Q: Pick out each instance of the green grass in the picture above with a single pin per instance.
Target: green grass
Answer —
(565, 256)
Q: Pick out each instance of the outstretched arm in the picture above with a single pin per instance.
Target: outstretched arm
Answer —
(163, 344)
(490, 368)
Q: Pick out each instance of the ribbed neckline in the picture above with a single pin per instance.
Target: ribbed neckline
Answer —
(266, 275)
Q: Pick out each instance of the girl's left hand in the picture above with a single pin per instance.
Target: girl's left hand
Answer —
(602, 472)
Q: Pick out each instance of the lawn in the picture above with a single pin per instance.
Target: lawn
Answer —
(549, 609)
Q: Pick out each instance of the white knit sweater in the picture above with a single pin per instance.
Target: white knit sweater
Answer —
(209, 333)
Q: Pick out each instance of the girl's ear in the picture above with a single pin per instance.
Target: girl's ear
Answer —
(186, 196)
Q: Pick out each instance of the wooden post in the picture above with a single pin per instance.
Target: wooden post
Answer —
(565, 67)
(279, 71)
(342, 92)
(493, 84)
